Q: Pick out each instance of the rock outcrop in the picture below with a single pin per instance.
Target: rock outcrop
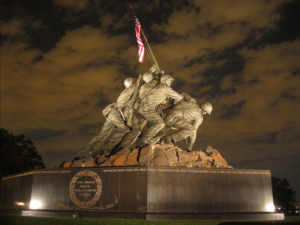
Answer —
(156, 155)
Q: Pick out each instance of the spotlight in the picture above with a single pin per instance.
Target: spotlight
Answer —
(270, 207)
(35, 204)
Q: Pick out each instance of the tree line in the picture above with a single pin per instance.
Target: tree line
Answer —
(18, 154)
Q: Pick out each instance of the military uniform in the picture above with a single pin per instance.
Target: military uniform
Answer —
(114, 119)
(131, 136)
(186, 117)
(148, 109)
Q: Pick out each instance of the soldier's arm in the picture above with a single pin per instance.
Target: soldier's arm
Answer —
(125, 96)
(198, 122)
(146, 88)
(174, 95)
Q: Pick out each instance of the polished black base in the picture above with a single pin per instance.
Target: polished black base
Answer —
(141, 192)
(158, 216)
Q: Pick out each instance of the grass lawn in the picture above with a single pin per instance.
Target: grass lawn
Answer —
(19, 220)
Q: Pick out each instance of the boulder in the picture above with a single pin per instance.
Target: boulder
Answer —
(198, 164)
(90, 163)
(117, 160)
(217, 164)
(197, 156)
(99, 159)
(159, 161)
(146, 154)
(209, 150)
(165, 146)
(105, 163)
(182, 158)
(132, 158)
(191, 156)
(158, 151)
(112, 158)
(171, 156)
(227, 167)
(84, 162)
(206, 159)
(220, 159)
(78, 163)
(67, 164)
(124, 151)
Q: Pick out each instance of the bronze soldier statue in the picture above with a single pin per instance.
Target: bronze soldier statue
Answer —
(149, 106)
(186, 117)
(137, 121)
(114, 119)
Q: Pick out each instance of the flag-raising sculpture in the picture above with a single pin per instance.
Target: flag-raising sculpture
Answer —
(146, 110)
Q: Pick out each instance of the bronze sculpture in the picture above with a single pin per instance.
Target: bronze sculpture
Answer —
(186, 117)
(144, 112)
(114, 119)
(149, 106)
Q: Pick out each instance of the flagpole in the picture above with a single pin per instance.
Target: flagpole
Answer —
(147, 47)
(150, 51)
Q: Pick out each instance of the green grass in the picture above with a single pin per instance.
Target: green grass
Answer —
(19, 220)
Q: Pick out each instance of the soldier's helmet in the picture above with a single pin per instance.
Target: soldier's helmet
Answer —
(166, 78)
(206, 107)
(147, 77)
(128, 82)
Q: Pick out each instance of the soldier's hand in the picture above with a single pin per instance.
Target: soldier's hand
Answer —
(154, 69)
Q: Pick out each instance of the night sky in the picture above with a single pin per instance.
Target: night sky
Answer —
(63, 61)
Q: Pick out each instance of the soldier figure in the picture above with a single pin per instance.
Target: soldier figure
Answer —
(114, 119)
(186, 117)
(149, 105)
(138, 123)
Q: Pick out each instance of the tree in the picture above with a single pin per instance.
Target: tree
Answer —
(17, 154)
(284, 196)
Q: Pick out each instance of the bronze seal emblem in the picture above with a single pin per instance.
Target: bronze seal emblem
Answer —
(85, 191)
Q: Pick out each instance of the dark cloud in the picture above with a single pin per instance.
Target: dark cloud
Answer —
(89, 129)
(103, 100)
(270, 138)
(285, 30)
(296, 72)
(232, 110)
(39, 134)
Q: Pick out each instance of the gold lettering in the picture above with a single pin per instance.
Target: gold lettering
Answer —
(85, 194)
(89, 182)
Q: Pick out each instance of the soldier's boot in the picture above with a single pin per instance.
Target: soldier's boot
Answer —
(83, 152)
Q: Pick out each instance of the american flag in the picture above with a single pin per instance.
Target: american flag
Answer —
(138, 29)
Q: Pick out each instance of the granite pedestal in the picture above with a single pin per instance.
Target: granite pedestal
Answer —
(141, 192)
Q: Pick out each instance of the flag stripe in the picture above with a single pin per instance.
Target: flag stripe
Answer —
(140, 43)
